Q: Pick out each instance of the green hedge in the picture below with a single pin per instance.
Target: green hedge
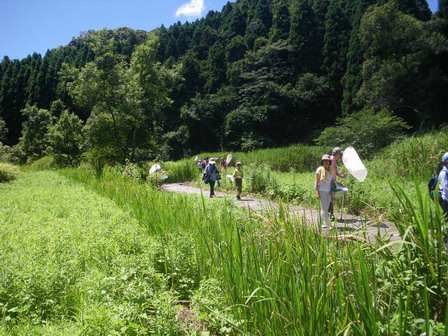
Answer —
(8, 172)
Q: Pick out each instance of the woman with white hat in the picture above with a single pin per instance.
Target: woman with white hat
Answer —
(324, 175)
(211, 174)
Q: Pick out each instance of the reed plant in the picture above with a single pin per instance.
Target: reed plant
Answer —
(280, 275)
(299, 157)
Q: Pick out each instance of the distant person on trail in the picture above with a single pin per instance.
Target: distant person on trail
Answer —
(155, 168)
(212, 174)
(200, 166)
(443, 186)
(238, 176)
(223, 163)
(336, 155)
(324, 176)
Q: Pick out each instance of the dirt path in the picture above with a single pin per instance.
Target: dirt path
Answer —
(348, 226)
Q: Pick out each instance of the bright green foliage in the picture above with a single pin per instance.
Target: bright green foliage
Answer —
(124, 101)
(419, 155)
(282, 276)
(366, 131)
(73, 263)
(66, 139)
(8, 172)
(34, 140)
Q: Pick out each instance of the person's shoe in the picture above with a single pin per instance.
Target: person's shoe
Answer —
(324, 226)
(332, 218)
(211, 196)
(238, 198)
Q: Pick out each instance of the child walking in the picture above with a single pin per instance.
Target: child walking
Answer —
(238, 176)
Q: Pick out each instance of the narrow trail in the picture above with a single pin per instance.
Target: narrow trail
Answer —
(348, 226)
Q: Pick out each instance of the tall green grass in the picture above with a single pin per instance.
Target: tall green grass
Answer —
(299, 157)
(74, 263)
(281, 276)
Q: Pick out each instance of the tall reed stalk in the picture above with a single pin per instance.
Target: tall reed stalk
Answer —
(281, 276)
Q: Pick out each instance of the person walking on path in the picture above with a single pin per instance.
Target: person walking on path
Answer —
(336, 155)
(211, 173)
(443, 186)
(238, 176)
(324, 176)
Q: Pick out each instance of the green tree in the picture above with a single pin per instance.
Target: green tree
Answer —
(34, 141)
(3, 130)
(402, 70)
(303, 37)
(124, 100)
(66, 138)
(236, 22)
(216, 68)
(352, 79)
(280, 21)
(443, 9)
(235, 49)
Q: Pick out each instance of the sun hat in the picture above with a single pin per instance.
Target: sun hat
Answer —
(238, 164)
(337, 150)
(325, 157)
(212, 162)
(445, 158)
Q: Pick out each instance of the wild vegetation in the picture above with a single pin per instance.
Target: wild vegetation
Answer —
(135, 260)
(95, 249)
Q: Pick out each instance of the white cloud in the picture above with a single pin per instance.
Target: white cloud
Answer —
(192, 9)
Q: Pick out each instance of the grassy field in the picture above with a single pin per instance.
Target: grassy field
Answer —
(74, 263)
(82, 255)
(278, 276)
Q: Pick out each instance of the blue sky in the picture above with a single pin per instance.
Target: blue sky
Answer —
(28, 26)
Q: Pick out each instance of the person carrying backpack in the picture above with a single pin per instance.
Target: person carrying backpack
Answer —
(443, 186)
(211, 175)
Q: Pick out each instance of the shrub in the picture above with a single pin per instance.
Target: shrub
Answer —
(66, 139)
(418, 154)
(181, 171)
(366, 130)
(262, 179)
(8, 172)
(45, 163)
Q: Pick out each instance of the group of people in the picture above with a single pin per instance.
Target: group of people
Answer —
(325, 184)
(211, 175)
(325, 180)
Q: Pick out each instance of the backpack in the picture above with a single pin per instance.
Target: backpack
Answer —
(432, 186)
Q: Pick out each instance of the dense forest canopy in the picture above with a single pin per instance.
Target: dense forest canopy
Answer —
(260, 73)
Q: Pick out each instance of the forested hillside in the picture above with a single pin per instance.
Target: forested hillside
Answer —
(260, 73)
